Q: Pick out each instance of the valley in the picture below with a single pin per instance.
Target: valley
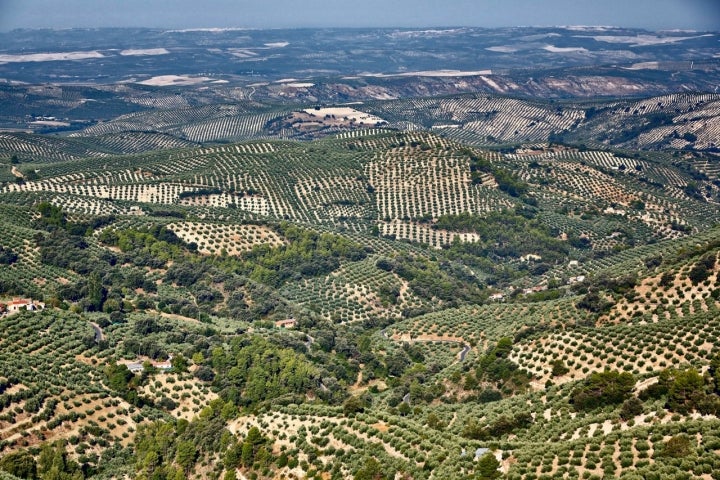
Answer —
(279, 270)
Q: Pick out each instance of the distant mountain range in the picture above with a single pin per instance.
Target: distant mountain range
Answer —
(523, 58)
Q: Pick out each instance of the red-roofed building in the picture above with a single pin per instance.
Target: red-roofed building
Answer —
(18, 304)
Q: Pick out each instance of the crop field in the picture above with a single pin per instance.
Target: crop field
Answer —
(357, 292)
(478, 325)
(422, 234)
(366, 179)
(636, 190)
(188, 393)
(233, 239)
(172, 120)
(39, 149)
(492, 119)
(56, 389)
(28, 271)
(137, 142)
(412, 184)
(655, 346)
(668, 295)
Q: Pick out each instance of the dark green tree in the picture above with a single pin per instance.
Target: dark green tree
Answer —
(603, 388)
(21, 464)
(487, 467)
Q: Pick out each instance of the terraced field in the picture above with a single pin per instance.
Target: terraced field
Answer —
(56, 387)
(232, 239)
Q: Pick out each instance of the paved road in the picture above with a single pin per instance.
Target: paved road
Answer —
(464, 352)
(99, 335)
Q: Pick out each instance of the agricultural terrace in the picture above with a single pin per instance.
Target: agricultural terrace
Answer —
(213, 239)
(55, 389)
(427, 180)
(494, 119)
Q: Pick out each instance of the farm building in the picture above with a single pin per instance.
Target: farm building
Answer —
(289, 323)
(19, 304)
(136, 367)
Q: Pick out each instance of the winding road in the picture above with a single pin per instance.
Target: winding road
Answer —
(309, 343)
(464, 352)
(461, 356)
(99, 335)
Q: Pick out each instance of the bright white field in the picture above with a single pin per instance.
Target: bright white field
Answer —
(342, 112)
(144, 51)
(49, 57)
(169, 80)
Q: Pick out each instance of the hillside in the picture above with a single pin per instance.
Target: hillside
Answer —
(380, 301)
(681, 123)
(370, 253)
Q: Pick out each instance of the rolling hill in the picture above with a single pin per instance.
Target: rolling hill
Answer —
(358, 265)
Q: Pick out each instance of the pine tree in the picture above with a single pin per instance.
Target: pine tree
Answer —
(488, 467)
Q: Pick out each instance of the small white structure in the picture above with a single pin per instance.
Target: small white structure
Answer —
(135, 367)
(480, 452)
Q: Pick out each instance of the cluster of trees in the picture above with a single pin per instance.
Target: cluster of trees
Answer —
(173, 450)
(200, 193)
(495, 368)
(603, 388)
(509, 234)
(501, 426)
(125, 383)
(254, 370)
(53, 463)
(254, 452)
(432, 281)
(509, 183)
(152, 246)
(603, 291)
(686, 390)
(595, 302)
(7, 256)
(53, 217)
(90, 293)
(64, 251)
(506, 180)
(307, 254)
(374, 470)
(702, 270)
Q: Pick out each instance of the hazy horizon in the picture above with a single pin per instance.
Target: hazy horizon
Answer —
(701, 15)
